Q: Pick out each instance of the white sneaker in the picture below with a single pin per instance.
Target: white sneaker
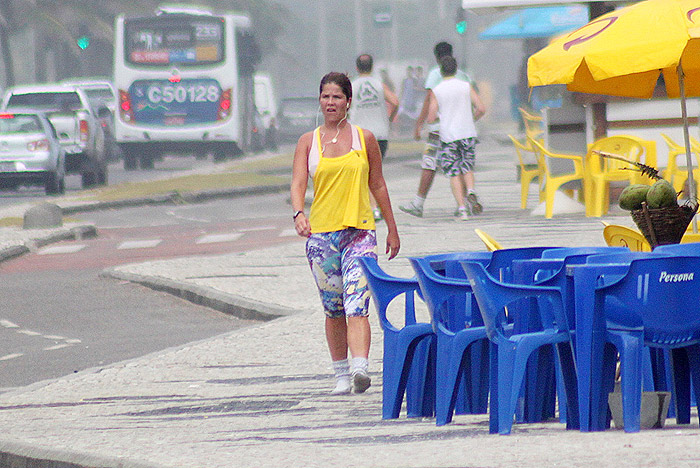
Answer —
(342, 387)
(412, 209)
(360, 381)
(462, 215)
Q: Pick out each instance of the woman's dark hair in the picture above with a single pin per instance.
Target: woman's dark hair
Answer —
(341, 79)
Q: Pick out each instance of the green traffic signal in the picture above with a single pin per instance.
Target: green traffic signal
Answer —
(461, 27)
(83, 42)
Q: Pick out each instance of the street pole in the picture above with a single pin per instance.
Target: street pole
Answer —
(322, 39)
(359, 30)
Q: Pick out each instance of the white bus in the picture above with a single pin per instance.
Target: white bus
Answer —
(184, 79)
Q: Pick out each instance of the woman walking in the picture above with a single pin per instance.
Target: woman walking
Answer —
(345, 164)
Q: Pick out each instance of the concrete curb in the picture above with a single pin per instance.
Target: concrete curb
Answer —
(78, 232)
(24, 456)
(201, 295)
(176, 197)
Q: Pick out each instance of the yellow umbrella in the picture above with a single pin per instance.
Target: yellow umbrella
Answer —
(623, 53)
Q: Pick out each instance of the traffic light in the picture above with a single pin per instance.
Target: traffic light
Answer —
(460, 21)
(83, 42)
(83, 39)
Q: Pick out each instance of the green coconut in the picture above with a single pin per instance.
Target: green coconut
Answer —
(632, 196)
(662, 195)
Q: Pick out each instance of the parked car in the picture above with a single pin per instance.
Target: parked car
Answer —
(297, 115)
(76, 122)
(30, 152)
(265, 129)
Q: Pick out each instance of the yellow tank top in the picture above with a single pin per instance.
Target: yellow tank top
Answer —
(341, 189)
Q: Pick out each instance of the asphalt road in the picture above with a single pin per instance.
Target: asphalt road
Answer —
(59, 316)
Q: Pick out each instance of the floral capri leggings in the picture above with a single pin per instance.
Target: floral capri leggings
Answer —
(333, 260)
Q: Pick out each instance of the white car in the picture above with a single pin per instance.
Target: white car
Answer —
(30, 153)
(76, 122)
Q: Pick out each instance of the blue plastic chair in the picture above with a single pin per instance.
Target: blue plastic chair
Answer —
(409, 351)
(549, 270)
(653, 303)
(510, 351)
(453, 363)
(473, 386)
(456, 320)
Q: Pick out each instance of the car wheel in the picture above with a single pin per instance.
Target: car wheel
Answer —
(54, 184)
(88, 179)
(146, 162)
(102, 174)
(131, 162)
(271, 139)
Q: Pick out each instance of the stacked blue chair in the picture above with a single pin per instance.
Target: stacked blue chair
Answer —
(473, 385)
(549, 270)
(652, 303)
(459, 329)
(510, 351)
(452, 345)
(409, 351)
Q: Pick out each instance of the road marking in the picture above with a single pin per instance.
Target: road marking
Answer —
(61, 249)
(139, 244)
(7, 357)
(58, 346)
(54, 337)
(8, 324)
(28, 332)
(260, 228)
(73, 341)
(212, 238)
(288, 233)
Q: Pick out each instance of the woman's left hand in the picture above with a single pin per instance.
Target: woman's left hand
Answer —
(302, 225)
(393, 244)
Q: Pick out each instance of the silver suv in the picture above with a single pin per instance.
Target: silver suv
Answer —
(76, 123)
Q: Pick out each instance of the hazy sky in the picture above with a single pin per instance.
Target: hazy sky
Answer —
(325, 35)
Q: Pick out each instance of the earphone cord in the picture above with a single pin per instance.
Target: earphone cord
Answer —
(335, 138)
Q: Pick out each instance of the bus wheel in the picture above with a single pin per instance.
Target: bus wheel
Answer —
(220, 155)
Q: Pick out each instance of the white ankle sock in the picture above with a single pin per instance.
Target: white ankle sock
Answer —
(360, 363)
(418, 201)
(341, 369)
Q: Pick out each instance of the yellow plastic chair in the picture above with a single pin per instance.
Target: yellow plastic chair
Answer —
(533, 124)
(690, 237)
(527, 172)
(616, 235)
(600, 171)
(491, 243)
(674, 173)
(553, 179)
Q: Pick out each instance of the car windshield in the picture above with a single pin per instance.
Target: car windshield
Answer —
(50, 101)
(10, 123)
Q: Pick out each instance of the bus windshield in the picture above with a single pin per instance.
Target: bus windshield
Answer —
(175, 39)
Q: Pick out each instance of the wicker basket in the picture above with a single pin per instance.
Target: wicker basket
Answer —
(662, 226)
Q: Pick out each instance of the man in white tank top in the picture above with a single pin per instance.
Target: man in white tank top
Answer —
(458, 107)
(372, 107)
